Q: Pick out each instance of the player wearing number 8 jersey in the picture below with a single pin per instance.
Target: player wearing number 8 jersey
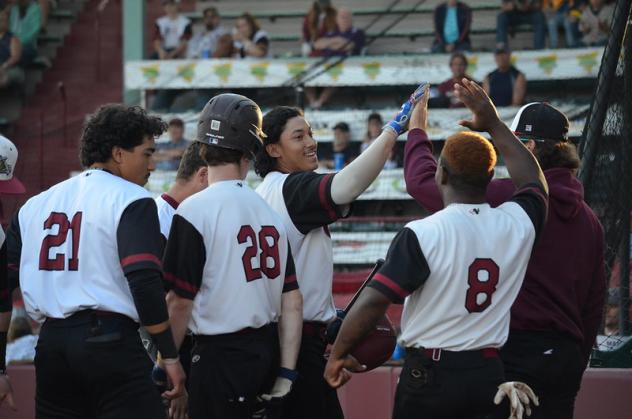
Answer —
(232, 274)
(458, 271)
(88, 251)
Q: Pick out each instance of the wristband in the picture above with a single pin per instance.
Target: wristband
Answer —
(291, 375)
(171, 361)
(164, 343)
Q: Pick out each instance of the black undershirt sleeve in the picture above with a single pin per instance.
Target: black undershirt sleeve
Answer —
(184, 258)
(14, 251)
(308, 200)
(405, 268)
(535, 202)
(5, 292)
(139, 248)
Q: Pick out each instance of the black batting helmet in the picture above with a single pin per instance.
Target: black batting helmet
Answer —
(231, 121)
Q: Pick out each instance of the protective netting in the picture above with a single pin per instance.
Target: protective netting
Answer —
(606, 172)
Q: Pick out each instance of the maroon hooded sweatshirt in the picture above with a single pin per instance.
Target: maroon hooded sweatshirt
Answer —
(564, 287)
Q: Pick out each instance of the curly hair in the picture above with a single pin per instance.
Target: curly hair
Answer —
(551, 154)
(115, 125)
(273, 125)
(469, 160)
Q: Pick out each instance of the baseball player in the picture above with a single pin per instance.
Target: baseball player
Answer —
(232, 273)
(557, 313)
(458, 272)
(88, 251)
(308, 202)
(192, 177)
(9, 184)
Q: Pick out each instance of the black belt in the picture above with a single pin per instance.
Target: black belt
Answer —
(242, 332)
(437, 354)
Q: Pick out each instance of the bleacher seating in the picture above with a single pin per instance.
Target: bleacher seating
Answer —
(59, 23)
(413, 34)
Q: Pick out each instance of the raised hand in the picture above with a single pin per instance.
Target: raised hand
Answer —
(484, 115)
(399, 124)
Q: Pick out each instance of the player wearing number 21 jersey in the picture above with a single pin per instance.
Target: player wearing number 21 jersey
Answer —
(88, 251)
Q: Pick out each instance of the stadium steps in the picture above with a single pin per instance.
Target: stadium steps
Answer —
(39, 132)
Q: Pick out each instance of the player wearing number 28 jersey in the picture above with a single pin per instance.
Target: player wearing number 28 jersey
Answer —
(232, 274)
(457, 272)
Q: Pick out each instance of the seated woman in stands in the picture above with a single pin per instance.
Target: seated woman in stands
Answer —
(446, 97)
(249, 40)
(320, 19)
(10, 55)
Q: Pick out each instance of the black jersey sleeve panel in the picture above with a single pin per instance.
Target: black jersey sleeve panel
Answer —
(308, 200)
(14, 251)
(290, 283)
(149, 297)
(405, 268)
(185, 258)
(138, 237)
(5, 292)
(535, 202)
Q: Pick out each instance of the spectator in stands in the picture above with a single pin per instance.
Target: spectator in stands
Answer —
(345, 40)
(506, 85)
(595, 22)
(214, 41)
(320, 20)
(20, 342)
(172, 33)
(10, 55)
(168, 154)
(446, 97)
(343, 150)
(452, 22)
(25, 21)
(374, 125)
(558, 14)
(45, 6)
(518, 12)
(249, 40)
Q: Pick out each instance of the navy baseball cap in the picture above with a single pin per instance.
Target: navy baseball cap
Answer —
(540, 121)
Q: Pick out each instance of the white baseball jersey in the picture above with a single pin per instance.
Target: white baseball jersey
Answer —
(77, 240)
(228, 252)
(303, 200)
(460, 271)
(167, 207)
(171, 32)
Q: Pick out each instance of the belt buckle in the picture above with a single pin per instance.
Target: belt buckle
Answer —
(436, 354)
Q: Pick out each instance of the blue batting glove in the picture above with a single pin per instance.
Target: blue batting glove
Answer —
(399, 124)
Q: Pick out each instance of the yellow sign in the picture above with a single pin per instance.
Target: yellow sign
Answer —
(151, 72)
(223, 71)
(187, 72)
